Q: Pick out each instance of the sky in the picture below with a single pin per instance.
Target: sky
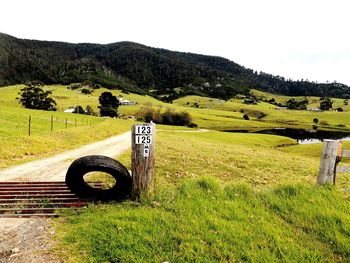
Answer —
(296, 39)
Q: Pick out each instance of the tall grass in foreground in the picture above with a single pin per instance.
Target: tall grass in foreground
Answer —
(219, 197)
(202, 220)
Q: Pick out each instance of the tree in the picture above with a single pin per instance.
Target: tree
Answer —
(108, 104)
(79, 109)
(293, 104)
(89, 111)
(326, 103)
(339, 109)
(33, 97)
(246, 117)
(86, 91)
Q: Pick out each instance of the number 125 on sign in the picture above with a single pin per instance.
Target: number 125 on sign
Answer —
(143, 139)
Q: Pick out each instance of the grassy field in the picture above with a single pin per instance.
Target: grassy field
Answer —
(219, 197)
(313, 101)
(206, 112)
(272, 117)
(17, 146)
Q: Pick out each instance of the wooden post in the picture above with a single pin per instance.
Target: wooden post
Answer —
(75, 122)
(29, 124)
(326, 174)
(66, 123)
(142, 158)
(51, 122)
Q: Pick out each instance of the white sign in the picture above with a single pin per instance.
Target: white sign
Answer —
(146, 150)
(143, 135)
(143, 139)
(143, 129)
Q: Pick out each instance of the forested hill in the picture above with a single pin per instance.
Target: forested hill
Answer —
(142, 69)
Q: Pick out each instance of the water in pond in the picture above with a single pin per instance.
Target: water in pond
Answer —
(304, 136)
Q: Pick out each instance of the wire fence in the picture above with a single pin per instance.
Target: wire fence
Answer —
(56, 123)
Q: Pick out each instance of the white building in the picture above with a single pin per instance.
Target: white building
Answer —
(70, 109)
(125, 102)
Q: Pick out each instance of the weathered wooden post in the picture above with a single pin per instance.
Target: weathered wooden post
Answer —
(327, 172)
(51, 123)
(29, 124)
(142, 158)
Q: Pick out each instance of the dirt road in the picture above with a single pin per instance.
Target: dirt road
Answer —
(54, 168)
(27, 240)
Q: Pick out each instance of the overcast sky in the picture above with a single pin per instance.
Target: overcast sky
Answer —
(297, 39)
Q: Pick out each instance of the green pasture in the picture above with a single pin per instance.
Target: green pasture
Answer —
(314, 102)
(218, 197)
(17, 146)
(271, 115)
(206, 112)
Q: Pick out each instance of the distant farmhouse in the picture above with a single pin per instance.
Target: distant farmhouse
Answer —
(314, 109)
(125, 102)
(71, 109)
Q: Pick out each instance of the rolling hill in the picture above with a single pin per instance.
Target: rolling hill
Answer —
(145, 70)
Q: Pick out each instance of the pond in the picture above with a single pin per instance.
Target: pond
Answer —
(303, 136)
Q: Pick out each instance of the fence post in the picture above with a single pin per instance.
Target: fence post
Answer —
(327, 171)
(66, 123)
(29, 124)
(142, 158)
(51, 122)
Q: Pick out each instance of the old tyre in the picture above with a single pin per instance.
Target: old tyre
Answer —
(75, 181)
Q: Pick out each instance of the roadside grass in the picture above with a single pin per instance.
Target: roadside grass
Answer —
(17, 147)
(217, 197)
(203, 220)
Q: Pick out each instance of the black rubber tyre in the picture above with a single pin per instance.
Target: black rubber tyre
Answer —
(76, 171)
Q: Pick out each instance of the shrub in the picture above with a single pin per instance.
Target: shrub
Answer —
(293, 104)
(246, 117)
(145, 114)
(86, 91)
(326, 103)
(339, 109)
(315, 120)
(74, 86)
(89, 111)
(249, 101)
(79, 109)
(35, 83)
(169, 117)
(192, 125)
